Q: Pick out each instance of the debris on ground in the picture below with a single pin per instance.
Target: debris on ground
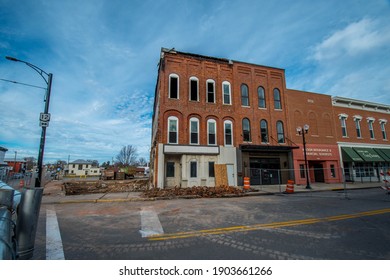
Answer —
(103, 186)
(194, 192)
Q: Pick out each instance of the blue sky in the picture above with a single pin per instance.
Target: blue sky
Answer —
(104, 54)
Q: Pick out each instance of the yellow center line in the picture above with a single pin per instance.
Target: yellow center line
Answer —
(243, 228)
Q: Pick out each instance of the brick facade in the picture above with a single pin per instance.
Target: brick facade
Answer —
(194, 93)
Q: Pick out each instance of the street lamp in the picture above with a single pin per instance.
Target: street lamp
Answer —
(44, 117)
(302, 132)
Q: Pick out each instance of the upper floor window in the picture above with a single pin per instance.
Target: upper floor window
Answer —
(228, 132)
(194, 89)
(264, 131)
(173, 124)
(211, 132)
(194, 131)
(371, 127)
(383, 128)
(174, 86)
(227, 95)
(357, 120)
(343, 124)
(277, 99)
(210, 87)
(244, 95)
(280, 132)
(246, 130)
(261, 96)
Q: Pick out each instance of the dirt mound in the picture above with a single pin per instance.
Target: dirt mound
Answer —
(220, 191)
(109, 186)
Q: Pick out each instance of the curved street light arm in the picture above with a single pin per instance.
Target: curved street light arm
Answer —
(36, 68)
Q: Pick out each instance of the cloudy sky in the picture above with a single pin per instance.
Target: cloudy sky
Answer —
(104, 54)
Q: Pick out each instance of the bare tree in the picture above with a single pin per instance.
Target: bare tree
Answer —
(142, 161)
(127, 155)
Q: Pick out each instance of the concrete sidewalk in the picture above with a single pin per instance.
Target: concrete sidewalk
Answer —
(54, 194)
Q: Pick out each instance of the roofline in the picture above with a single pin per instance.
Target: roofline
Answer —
(225, 60)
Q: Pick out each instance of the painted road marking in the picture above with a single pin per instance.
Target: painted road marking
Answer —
(54, 247)
(150, 223)
(198, 233)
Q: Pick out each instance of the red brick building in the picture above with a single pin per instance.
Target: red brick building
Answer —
(316, 111)
(361, 129)
(211, 112)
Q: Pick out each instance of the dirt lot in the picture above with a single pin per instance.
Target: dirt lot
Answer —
(141, 185)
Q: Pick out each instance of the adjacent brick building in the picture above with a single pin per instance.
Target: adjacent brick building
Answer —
(217, 121)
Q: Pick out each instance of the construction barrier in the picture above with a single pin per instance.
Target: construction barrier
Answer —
(247, 185)
(290, 186)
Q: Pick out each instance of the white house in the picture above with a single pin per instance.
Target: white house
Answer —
(83, 168)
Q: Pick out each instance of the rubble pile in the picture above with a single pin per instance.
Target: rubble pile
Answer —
(219, 191)
(88, 187)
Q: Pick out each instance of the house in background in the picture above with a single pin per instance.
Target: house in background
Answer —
(82, 167)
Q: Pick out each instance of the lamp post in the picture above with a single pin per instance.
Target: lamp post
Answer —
(44, 117)
(303, 131)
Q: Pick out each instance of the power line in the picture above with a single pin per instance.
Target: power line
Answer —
(15, 82)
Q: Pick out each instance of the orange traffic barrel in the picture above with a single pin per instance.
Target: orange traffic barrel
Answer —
(246, 183)
(290, 186)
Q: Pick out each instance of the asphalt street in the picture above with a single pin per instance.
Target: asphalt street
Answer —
(303, 226)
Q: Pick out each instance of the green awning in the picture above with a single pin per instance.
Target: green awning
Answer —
(384, 153)
(350, 155)
(368, 154)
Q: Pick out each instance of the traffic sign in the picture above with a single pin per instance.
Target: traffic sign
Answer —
(43, 124)
(44, 117)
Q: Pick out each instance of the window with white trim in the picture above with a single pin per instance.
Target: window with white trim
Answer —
(211, 132)
(174, 86)
(228, 132)
(194, 131)
(194, 89)
(227, 95)
(383, 129)
(210, 88)
(343, 125)
(371, 127)
(173, 125)
(357, 120)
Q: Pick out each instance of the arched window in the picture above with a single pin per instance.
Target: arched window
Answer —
(194, 89)
(194, 131)
(244, 95)
(228, 132)
(261, 96)
(264, 131)
(246, 130)
(280, 132)
(227, 95)
(211, 132)
(277, 99)
(210, 88)
(173, 128)
(174, 86)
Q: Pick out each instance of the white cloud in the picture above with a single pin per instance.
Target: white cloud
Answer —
(357, 38)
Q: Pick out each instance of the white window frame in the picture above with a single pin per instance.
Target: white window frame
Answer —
(224, 133)
(208, 131)
(258, 98)
(370, 122)
(383, 128)
(242, 96)
(197, 88)
(173, 75)
(357, 120)
(343, 124)
(229, 93)
(207, 90)
(196, 120)
(177, 129)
